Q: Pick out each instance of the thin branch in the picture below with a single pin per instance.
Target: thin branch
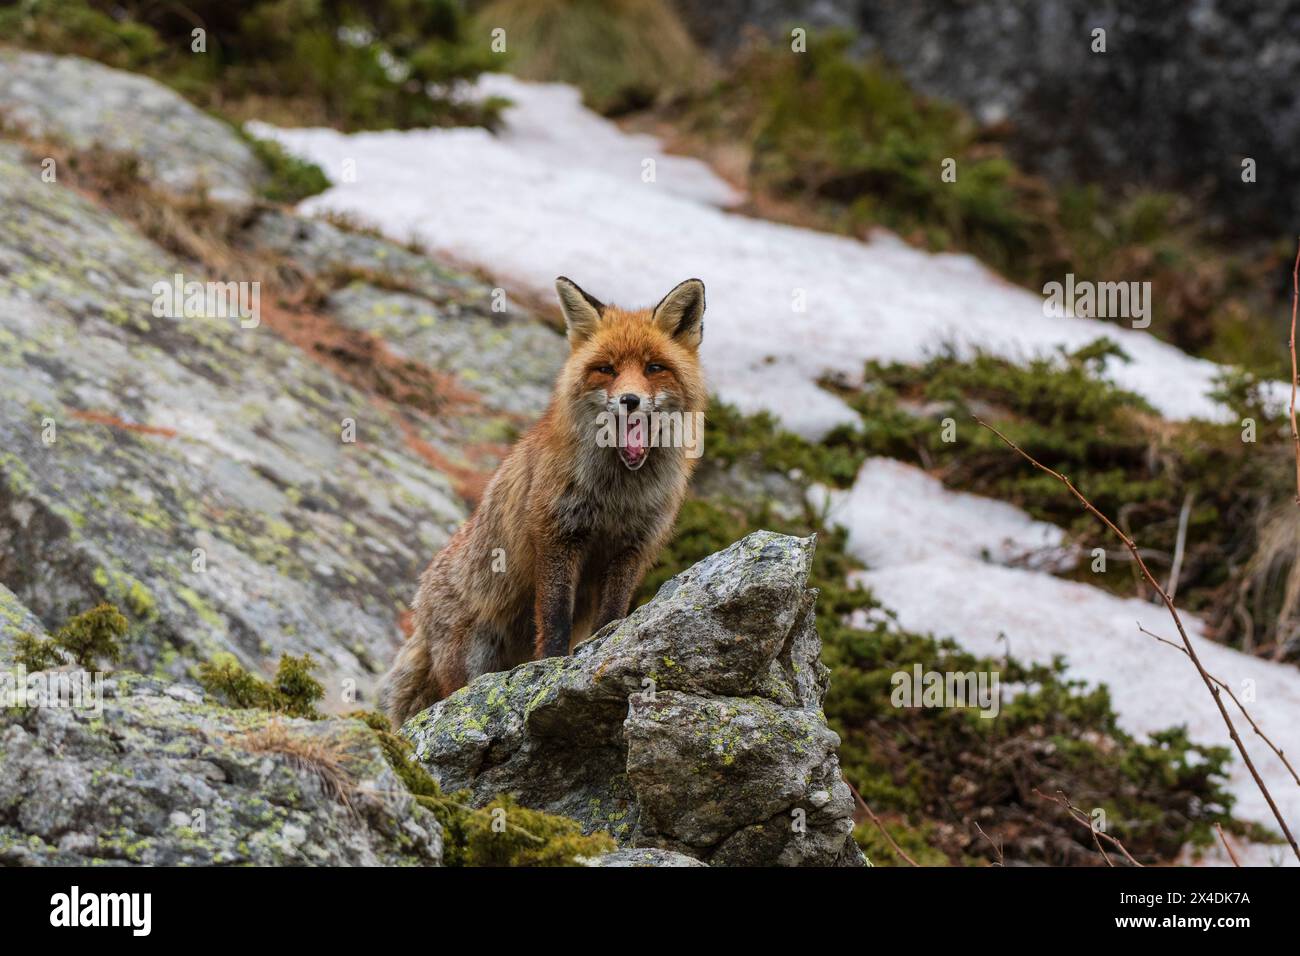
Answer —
(1176, 571)
(881, 827)
(1082, 818)
(1226, 845)
(1240, 706)
(997, 850)
(1295, 433)
(1178, 621)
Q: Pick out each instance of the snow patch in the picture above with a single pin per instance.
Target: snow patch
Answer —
(560, 191)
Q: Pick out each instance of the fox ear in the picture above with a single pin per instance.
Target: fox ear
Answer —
(681, 313)
(581, 311)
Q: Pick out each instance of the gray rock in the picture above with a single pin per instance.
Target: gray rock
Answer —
(645, 857)
(428, 313)
(157, 777)
(15, 619)
(693, 725)
(82, 104)
(177, 440)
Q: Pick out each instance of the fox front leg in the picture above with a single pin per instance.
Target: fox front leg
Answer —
(620, 579)
(556, 583)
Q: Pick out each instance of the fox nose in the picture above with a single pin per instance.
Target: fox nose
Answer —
(629, 401)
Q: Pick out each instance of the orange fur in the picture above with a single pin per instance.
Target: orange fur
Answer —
(566, 528)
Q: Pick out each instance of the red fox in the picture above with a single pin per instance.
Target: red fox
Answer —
(576, 513)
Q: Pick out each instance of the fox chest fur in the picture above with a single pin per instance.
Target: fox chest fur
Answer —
(577, 512)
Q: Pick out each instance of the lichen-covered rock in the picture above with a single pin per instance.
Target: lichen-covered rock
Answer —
(694, 725)
(160, 777)
(428, 313)
(190, 470)
(15, 619)
(647, 856)
(83, 104)
(200, 475)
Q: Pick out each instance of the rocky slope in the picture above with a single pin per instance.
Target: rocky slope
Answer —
(1182, 94)
(84, 104)
(200, 473)
(694, 725)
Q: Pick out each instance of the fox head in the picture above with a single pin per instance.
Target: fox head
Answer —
(633, 379)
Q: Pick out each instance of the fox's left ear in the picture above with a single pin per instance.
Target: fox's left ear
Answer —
(681, 313)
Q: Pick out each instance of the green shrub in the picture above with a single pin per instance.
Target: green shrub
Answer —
(37, 654)
(1135, 467)
(290, 179)
(353, 64)
(84, 640)
(294, 691)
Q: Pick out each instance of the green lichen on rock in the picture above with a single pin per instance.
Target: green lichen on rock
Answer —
(151, 773)
(724, 755)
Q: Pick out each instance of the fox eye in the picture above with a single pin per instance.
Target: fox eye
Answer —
(654, 367)
(605, 369)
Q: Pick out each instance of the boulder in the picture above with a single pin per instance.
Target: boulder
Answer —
(199, 474)
(84, 104)
(148, 772)
(694, 725)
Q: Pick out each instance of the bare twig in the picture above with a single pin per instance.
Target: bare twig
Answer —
(1178, 621)
(1240, 706)
(1295, 433)
(997, 849)
(1082, 818)
(881, 827)
(1179, 544)
(1226, 845)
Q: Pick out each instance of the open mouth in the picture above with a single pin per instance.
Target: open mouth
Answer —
(632, 447)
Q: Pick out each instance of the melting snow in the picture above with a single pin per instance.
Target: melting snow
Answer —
(560, 191)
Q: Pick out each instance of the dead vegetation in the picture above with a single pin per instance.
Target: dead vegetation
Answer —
(325, 757)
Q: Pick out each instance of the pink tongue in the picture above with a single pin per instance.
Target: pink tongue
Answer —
(633, 442)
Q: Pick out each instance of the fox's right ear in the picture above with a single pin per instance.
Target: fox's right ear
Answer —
(581, 311)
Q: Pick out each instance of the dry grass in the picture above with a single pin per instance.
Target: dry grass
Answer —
(1271, 582)
(623, 54)
(323, 756)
